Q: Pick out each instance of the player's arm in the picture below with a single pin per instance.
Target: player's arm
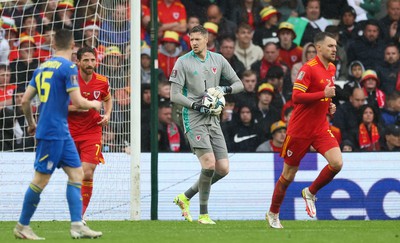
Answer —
(27, 108)
(107, 104)
(301, 97)
(82, 103)
(178, 98)
(230, 74)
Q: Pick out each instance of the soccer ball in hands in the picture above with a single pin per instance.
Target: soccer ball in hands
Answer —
(214, 103)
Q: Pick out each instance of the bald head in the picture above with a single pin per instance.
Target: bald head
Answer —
(214, 14)
(357, 98)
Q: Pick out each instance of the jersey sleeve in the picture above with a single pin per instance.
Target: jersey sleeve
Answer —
(32, 82)
(303, 79)
(178, 73)
(71, 82)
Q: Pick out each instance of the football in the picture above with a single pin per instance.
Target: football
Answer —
(213, 102)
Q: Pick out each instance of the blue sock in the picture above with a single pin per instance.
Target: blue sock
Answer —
(74, 199)
(31, 201)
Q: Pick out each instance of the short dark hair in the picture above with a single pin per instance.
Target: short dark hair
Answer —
(271, 43)
(83, 50)
(4, 67)
(199, 29)
(63, 38)
(321, 36)
(274, 72)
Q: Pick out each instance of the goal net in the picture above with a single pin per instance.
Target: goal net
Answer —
(26, 36)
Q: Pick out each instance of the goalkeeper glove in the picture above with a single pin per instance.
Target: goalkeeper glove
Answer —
(198, 106)
(220, 91)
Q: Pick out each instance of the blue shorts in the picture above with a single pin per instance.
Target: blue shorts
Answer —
(52, 154)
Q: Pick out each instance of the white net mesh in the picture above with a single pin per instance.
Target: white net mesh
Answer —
(26, 37)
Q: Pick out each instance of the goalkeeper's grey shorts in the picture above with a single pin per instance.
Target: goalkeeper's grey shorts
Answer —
(208, 139)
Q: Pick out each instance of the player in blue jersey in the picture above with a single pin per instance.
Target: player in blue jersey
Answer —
(56, 83)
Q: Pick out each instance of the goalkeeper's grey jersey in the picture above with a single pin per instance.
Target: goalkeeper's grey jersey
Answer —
(196, 76)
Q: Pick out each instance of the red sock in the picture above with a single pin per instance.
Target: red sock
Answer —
(87, 188)
(279, 194)
(325, 176)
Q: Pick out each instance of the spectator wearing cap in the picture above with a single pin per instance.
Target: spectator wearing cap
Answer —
(349, 29)
(265, 114)
(369, 48)
(227, 50)
(267, 31)
(249, 95)
(388, 71)
(145, 67)
(245, 50)
(212, 44)
(370, 84)
(278, 131)
(111, 67)
(24, 65)
(115, 28)
(171, 17)
(309, 52)
(282, 86)
(369, 130)
(270, 58)
(390, 114)
(225, 26)
(391, 141)
(64, 15)
(389, 23)
(244, 135)
(247, 12)
(289, 52)
(169, 51)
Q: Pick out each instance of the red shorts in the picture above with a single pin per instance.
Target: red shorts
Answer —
(90, 151)
(294, 149)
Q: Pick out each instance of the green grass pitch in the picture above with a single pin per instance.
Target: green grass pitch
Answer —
(223, 231)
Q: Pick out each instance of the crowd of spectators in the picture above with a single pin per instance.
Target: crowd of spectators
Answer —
(266, 42)
(26, 34)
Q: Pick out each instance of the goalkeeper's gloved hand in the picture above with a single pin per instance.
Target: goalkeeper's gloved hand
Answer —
(198, 106)
(220, 91)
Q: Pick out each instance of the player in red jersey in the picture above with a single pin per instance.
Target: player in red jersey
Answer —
(86, 125)
(308, 126)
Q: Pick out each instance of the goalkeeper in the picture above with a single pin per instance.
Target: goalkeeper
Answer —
(195, 73)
